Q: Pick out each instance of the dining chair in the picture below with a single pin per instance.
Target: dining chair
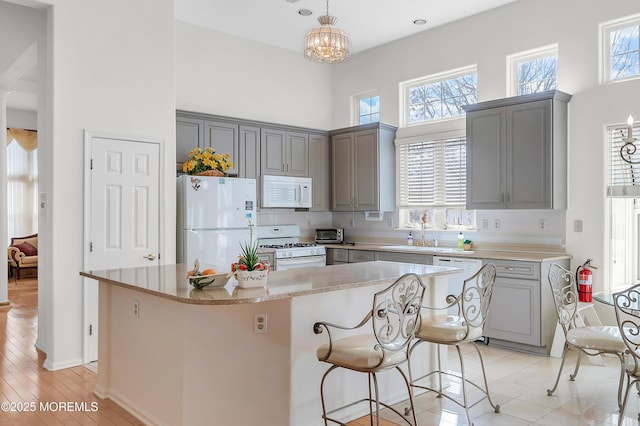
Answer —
(394, 317)
(465, 327)
(627, 308)
(589, 340)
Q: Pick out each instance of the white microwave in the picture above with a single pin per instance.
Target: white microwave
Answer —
(286, 192)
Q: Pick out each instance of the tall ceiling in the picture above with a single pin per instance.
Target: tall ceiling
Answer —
(368, 23)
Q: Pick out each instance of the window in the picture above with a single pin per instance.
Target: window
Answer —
(534, 71)
(368, 109)
(22, 187)
(432, 189)
(624, 211)
(621, 49)
(439, 97)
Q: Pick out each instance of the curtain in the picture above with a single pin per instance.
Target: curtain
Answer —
(22, 183)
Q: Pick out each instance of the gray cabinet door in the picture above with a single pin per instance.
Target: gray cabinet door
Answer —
(297, 154)
(366, 170)
(223, 137)
(319, 172)
(249, 149)
(528, 171)
(341, 164)
(189, 135)
(485, 158)
(272, 150)
(514, 315)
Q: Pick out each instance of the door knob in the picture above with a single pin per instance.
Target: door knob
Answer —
(150, 256)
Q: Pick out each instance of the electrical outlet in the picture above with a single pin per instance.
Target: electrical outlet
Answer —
(496, 224)
(260, 324)
(485, 224)
(353, 223)
(577, 226)
(390, 223)
(542, 224)
(136, 308)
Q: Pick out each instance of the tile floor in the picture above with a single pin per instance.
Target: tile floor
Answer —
(518, 382)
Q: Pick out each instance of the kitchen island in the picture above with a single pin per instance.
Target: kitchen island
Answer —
(193, 357)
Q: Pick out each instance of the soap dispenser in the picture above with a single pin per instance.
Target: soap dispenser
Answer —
(410, 239)
(460, 241)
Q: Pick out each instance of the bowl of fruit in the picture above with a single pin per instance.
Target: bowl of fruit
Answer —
(206, 277)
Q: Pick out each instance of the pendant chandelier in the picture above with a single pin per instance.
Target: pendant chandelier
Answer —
(327, 43)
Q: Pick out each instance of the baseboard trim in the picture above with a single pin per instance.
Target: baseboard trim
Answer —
(144, 417)
(53, 366)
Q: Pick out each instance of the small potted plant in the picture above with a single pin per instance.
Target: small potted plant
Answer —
(249, 270)
(206, 162)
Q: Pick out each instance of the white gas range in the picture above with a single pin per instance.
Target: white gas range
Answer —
(281, 246)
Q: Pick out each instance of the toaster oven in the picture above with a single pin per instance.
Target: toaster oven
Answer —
(330, 236)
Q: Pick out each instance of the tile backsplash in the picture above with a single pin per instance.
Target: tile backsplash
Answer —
(546, 227)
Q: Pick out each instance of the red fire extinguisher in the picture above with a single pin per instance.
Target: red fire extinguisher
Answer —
(584, 278)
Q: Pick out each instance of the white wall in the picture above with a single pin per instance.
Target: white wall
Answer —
(217, 73)
(107, 67)
(22, 119)
(486, 40)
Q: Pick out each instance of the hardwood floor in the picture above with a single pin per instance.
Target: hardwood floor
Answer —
(31, 395)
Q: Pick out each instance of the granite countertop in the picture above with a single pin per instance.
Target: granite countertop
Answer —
(521, 253)
(169, 281)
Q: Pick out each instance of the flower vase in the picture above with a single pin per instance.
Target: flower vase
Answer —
(252, 279)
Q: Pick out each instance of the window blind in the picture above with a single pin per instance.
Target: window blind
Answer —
(624, 176)
(433, 173)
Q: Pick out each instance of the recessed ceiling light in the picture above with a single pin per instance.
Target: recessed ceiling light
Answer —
(419, 21)
(304, 12)
(291, 1)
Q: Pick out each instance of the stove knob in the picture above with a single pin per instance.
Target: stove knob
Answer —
(290, 254)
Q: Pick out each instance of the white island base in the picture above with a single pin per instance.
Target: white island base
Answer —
(193, 357)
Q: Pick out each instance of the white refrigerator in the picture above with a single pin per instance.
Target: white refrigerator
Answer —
(215, 215)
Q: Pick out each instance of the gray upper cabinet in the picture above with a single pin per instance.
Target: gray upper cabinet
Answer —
(318, 171)
(516, 152)
(363, 168)
(223, 137)
(189, 135)
(284, 153)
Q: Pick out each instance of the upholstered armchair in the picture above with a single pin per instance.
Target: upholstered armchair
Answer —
(23, 254)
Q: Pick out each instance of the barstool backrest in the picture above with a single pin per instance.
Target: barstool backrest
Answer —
(475, 298)
(563, 290)
(396, 312)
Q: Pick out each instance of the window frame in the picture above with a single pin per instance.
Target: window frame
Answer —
(406, 86)
(605, 52)
(514, 60)
(355, 112)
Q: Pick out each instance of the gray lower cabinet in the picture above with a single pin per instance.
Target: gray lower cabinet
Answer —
(522, 315)
(363, 168)
(336, 256)
(421, 259)
(516, 152)
(357, 256)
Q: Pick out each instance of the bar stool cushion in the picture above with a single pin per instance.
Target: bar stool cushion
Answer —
(601, 338)
(357, 353)
(447, 329)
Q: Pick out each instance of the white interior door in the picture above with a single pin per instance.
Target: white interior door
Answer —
(122, 217)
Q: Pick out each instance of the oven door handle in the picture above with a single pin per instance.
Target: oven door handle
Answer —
(299, 260)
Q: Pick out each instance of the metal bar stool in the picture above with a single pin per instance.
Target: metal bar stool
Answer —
(589, 340)
(394, 318)
(472, 306)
